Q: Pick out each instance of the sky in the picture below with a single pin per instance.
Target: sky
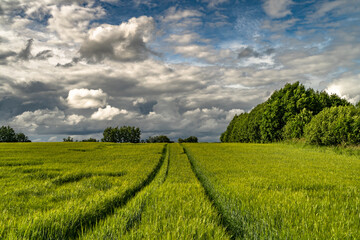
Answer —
(175, 68)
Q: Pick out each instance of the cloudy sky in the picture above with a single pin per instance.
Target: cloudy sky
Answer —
(179, 68)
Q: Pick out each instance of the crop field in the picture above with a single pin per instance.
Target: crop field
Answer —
(54, 190)
(279, 191)
(177, 191)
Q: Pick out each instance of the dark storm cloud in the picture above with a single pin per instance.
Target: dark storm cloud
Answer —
(248, 52)
(146, 108)
(135, 50)
(28, 97)
(5, 55)
(25, 54)
(33, 88)
(69, 64)
(44, 54)
(269, 51)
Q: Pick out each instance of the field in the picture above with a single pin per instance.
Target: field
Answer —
(173, 191)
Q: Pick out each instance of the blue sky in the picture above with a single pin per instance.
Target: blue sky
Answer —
(179, 68)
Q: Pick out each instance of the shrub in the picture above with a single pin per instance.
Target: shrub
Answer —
(333, 126)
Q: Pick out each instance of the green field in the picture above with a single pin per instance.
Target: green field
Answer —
(173, 191)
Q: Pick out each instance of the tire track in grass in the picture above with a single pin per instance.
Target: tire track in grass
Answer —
(126, 218)
(68, 226)
(229, 219)
(136, 218)
(179, 208)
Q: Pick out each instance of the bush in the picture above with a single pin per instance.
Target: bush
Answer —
(191, 139)
(68, 139)
(333, 126)
(90, 140)
(158, 139)
(294, 128)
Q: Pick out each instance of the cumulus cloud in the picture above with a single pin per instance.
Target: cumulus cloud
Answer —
(277, 8)
(138, 101)
(45, 118)
(71, 22)
(124, 42)
(347, 87)
(86, 98)
(107, 113)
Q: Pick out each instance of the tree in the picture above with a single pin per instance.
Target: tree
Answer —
(333, 126)
(123, 134)
(358, 104)
(90, 140)
(68, 139)
(268, 121)
(20, 137)
(7, 134)
(158, 139)
(294, 128)
(191, 139)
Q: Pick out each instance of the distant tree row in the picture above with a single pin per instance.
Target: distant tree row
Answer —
(158, 139)
(294, 112)
(70, 139)
(124, 134)
(7, 134)
(191, 139)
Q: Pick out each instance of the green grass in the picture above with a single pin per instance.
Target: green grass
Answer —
(174, 206)
(53, 190)
(279, 191)
(158, 191)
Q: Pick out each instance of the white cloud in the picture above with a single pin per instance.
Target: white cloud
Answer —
(45, 118)
(328, 7)
(347, 87)
(174, 14)
(107, 113)
(86, 98)
(139, 101)
(214, 3)
(277, 8)
(183, 38)
(74, 119)
(71, 22)
(124, 42)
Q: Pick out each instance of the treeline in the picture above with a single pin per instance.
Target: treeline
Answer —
(296, 112)
(8, 134)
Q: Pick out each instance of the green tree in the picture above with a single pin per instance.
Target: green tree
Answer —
(294, 128)
(123, 134)
(191, 139)
(20, 137)
(267, 121)
(333, 126)
(68, 139)
(90, 140)
(7, 134)
(158, 139)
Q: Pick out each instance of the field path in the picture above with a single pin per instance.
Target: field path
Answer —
(70, 225)
(173, 206)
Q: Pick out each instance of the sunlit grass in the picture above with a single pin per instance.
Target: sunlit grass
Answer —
(281, 191)
(50, 189)
(176, 208)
